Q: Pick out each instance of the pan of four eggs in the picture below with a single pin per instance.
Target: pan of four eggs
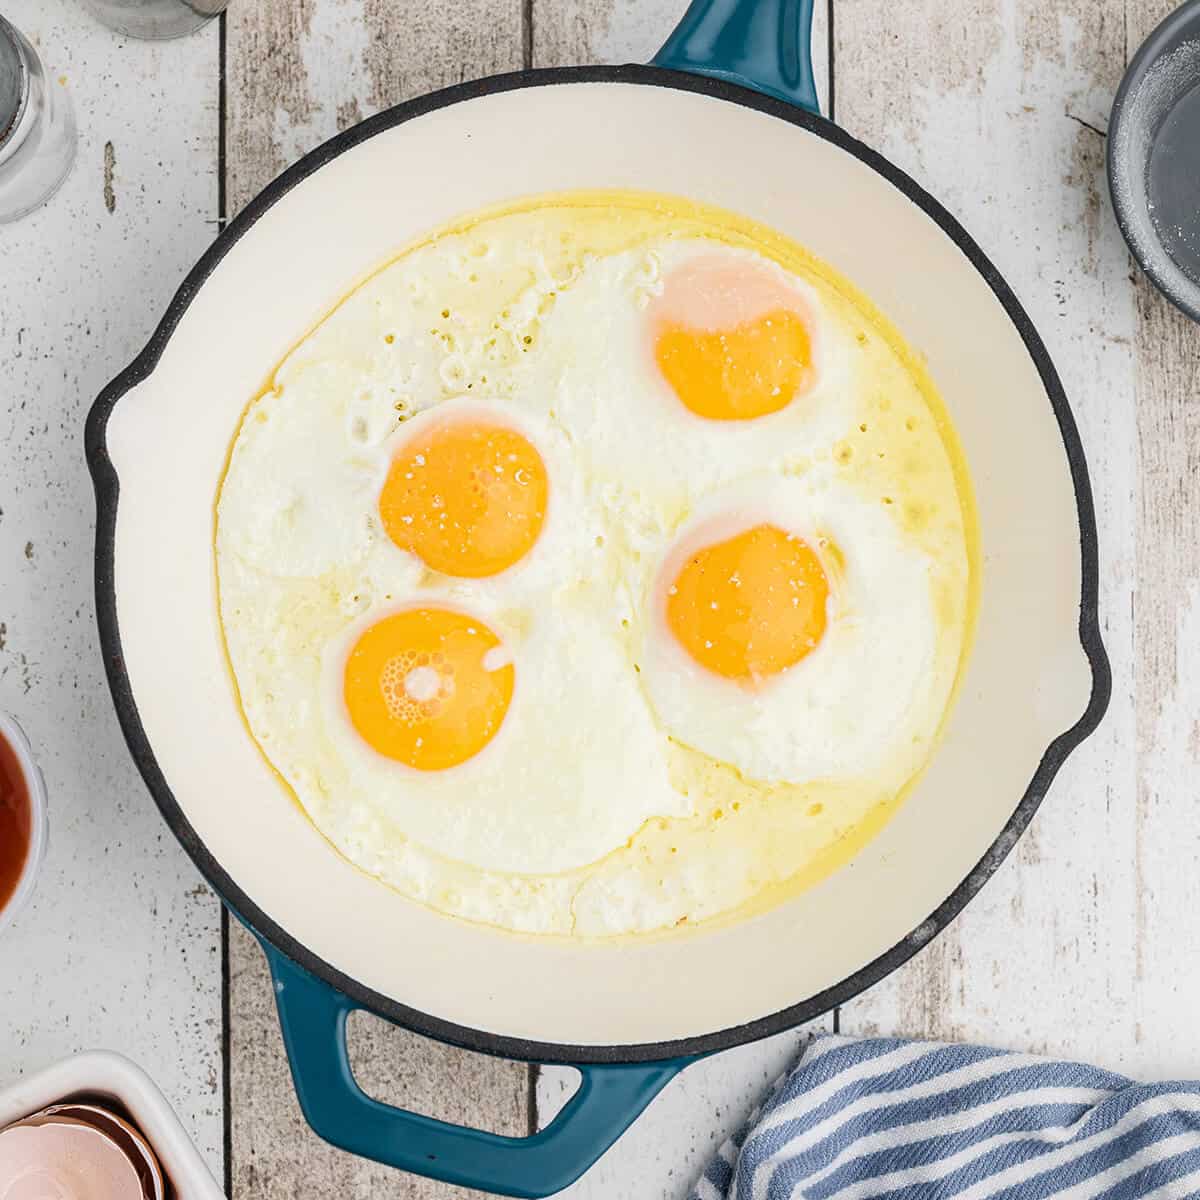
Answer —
(676, 508)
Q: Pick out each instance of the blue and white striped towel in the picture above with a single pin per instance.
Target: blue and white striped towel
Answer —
(859, 1120)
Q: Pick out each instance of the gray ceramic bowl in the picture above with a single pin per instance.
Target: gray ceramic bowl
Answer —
(1154, 157)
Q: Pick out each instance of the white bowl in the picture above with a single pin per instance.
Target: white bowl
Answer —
(100, 1075)
(38, 826)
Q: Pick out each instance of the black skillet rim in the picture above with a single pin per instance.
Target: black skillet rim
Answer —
(106, 485)
(1162, 39)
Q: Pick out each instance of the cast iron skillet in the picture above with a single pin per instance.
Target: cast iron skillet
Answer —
(753, 53)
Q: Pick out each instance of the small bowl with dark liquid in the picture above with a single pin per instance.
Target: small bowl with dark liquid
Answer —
(22, 820)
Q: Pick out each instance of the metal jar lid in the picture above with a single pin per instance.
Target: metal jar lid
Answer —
(14, 81)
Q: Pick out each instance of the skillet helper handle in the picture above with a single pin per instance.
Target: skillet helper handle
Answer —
(313, 1016)
(761, 44)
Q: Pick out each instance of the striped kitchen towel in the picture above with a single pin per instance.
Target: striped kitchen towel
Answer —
(859, 1120)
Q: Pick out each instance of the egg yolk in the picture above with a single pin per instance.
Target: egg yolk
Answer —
(428, 687)
(750, 607)
(468, 498)
(751, 370)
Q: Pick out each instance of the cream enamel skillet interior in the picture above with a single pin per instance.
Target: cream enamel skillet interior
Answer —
(634, 1012)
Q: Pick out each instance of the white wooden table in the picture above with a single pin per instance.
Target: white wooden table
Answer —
(1085, 943)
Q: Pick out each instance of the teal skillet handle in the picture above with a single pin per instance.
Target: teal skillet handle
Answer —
(313, 1016)
(761, 44)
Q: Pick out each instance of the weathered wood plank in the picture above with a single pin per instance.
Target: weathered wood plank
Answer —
(663, 1153)
(569, 32)
(274, 1153)
(296, 74)
(995, 107)
(121, 947)
(1166, 660)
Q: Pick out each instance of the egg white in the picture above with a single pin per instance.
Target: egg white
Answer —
(572, 774)
(634, 439)
(576, 767)
(863, 698)
(597, 808)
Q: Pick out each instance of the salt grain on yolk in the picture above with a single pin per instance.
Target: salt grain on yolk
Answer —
(752, 370)
(750, 607)
(424, 687)
(468, 498)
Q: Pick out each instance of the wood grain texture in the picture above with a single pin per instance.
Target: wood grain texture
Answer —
(276, 1156)
(120, 947)
(570, 32)
(664, 1152)
(296, 74)
(1078, 946)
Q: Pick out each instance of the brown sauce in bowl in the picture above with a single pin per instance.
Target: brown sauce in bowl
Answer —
(15, 821)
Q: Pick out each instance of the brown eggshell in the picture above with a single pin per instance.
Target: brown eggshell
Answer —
(126, 1136)
(64, 1157)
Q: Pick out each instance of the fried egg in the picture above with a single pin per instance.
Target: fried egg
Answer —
(447, 652)
(792, 634)
(485, 751)
(690, 366)
(602, 565)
